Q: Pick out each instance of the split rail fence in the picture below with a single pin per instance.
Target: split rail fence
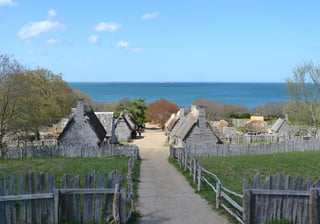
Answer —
(277, 198)
(33, 198)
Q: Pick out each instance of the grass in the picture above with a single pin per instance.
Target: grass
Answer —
(57, 167)
(232, 170)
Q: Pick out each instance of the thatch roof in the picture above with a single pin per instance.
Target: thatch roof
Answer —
(277, 125)
(188, 123)
(106, 119)
(221, 124)
(256, 127)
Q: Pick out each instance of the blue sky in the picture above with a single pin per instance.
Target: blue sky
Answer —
(158, 40)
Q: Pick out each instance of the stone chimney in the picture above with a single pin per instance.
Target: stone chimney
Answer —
(181, 112)
(80, 110)
(202, 116)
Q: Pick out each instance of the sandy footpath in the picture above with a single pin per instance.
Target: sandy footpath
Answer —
(164, 194)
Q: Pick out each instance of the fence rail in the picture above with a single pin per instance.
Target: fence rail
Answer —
(33, 198)
(277, 198)
(200, 175)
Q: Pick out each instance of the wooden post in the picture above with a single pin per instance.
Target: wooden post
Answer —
(218, 195)
(190, 163)
(194, 170)
(123, 205)
(56, 193)
(247, 195)
(313, 205)
(116, 204)
(199, 176)
(185, 160)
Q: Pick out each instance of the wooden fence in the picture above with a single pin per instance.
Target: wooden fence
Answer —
(276, 199)
(224, 197)
(32, 198)
(76, 151)
(250, 149)
(279, 198)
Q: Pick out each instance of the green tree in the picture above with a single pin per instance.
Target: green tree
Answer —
(304, 89)
(137, 108)
(30, 99)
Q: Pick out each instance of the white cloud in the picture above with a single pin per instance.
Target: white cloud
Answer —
(52, 13)
(53, 41)
(122, 44)
(7, 3)
(149, 16)
(110, 27)
(34, 29)
(94, 39)
(126, 46)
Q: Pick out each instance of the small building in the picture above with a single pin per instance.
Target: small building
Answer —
(195, 130)
(83, 129)
(125, 127)
(107, 120)
(281, 128)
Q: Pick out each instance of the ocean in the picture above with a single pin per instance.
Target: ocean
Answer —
(250, 95)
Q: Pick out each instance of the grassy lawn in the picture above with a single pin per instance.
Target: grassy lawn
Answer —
(232, 170)
(60, 166)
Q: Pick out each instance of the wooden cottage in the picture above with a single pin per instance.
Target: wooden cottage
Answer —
(177, 125)
(83, 129)
(125, 127)
(107, 120)
(195, 130)
(281, 128)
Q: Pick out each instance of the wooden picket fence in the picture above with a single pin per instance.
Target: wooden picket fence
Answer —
(277, 198)
(33, 198)
(281, 198)
(69, 151)
(210, 150)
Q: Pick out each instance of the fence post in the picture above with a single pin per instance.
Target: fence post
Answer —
(313, 205)
(116, 204)
(218, 195)
(185, 160)
(199, 176)
(123, 205)
(56, 194)
(194, 170)
(190, 168)
(247, 195)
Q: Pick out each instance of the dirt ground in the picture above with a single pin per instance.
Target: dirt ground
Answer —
(165, 196)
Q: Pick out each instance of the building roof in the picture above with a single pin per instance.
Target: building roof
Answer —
(128, 119)
(84, 113)
(106, 119)
(188, 123)
(278, 124)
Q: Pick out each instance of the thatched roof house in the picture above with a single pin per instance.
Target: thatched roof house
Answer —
(194, 130)
(125, 127)
(107, 120)
(84, 128)
(256, 127)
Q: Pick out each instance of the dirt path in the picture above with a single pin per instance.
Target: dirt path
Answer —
(164, 194)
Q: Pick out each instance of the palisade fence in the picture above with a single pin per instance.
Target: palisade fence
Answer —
(297, 145)
(70, 151)
(277, 198)
(33, 198)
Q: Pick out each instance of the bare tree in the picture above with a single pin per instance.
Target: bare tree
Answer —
(304, 88)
